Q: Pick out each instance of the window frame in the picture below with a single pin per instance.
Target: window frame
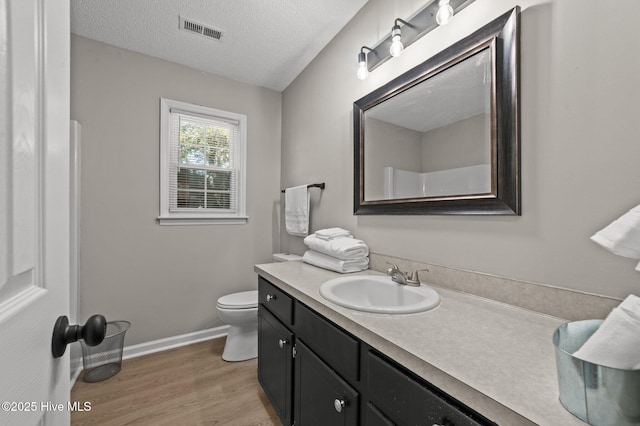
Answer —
(206, 216)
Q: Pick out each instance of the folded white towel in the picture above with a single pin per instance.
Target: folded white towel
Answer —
(331, 233)
(615, 343)
(341, 248)
(296, 210)
(327, 262)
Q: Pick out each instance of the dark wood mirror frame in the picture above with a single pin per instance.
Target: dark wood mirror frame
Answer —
(502, 35)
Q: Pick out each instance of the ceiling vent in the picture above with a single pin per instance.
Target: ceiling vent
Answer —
(199, 28)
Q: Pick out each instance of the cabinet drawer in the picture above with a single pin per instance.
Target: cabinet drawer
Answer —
(278, 302)
(408, 402)
(336, 347)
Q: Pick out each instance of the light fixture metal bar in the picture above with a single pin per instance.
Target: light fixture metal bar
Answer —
(419, 24)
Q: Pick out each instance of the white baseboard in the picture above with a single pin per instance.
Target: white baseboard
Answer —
(76, 369)
(167, 343)
(75, 360)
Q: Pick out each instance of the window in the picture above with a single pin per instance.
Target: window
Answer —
(202, 165)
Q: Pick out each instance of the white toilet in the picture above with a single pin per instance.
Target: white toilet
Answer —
(240, 311)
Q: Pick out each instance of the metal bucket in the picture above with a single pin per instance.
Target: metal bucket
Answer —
(598, 395)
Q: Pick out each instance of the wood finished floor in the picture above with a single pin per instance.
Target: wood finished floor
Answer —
(190, 385)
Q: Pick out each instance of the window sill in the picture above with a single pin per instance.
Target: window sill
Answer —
(191, 220)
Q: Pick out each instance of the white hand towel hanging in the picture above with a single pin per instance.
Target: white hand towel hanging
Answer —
(622, 236)
(296, 210)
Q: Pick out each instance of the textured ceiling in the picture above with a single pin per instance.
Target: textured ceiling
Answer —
(265, 42)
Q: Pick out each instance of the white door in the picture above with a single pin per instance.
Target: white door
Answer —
(34, 209)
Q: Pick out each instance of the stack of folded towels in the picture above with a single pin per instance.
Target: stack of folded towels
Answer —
(336, 249)
(616, 343)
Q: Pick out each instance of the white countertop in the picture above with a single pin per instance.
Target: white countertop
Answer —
(496, 358)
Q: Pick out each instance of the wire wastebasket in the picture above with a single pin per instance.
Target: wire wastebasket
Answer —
(104, 360)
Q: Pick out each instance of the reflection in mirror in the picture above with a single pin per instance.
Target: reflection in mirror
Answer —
(435, 139)
(444, 137)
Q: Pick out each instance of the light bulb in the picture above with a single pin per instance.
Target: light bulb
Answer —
(396, 44)
(363, 72)
(445, 12)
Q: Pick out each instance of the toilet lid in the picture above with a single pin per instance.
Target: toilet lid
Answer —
(241, 300)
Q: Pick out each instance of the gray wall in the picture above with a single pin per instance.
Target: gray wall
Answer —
(164, 279)
(580, 150)
(461, 144)
(388, 145)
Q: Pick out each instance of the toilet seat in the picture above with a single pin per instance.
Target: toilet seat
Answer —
(240, 300)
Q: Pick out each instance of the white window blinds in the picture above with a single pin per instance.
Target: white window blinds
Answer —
(205, 164)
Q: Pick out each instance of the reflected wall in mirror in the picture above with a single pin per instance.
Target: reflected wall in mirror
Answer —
(443, 138)
(435, 139)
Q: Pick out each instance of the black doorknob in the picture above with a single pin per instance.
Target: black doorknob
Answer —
(92, 332)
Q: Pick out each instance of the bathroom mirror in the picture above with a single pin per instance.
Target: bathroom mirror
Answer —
(443, 138)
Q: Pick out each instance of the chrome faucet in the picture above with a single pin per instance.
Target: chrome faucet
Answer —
(402, 278)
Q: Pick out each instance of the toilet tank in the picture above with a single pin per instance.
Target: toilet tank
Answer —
(285, 257)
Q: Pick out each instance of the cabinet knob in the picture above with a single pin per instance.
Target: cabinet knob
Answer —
(338, 404)
(271, 297)
(282, 343)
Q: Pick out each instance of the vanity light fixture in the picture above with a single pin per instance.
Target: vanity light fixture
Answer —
(363, 71)
(432, 15)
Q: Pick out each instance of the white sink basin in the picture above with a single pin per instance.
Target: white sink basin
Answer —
(377, 293)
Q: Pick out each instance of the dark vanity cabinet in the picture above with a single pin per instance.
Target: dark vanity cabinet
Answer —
(318, 394)
(315, 373)
(275, 349)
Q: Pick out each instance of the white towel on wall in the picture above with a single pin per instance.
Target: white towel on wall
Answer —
(622, 236)
(615, 343)
(296, 210)
(327, 262)
(331, 233)
(346, 248)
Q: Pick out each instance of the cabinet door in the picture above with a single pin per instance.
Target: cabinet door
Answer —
(322, 397)
(275, 363)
